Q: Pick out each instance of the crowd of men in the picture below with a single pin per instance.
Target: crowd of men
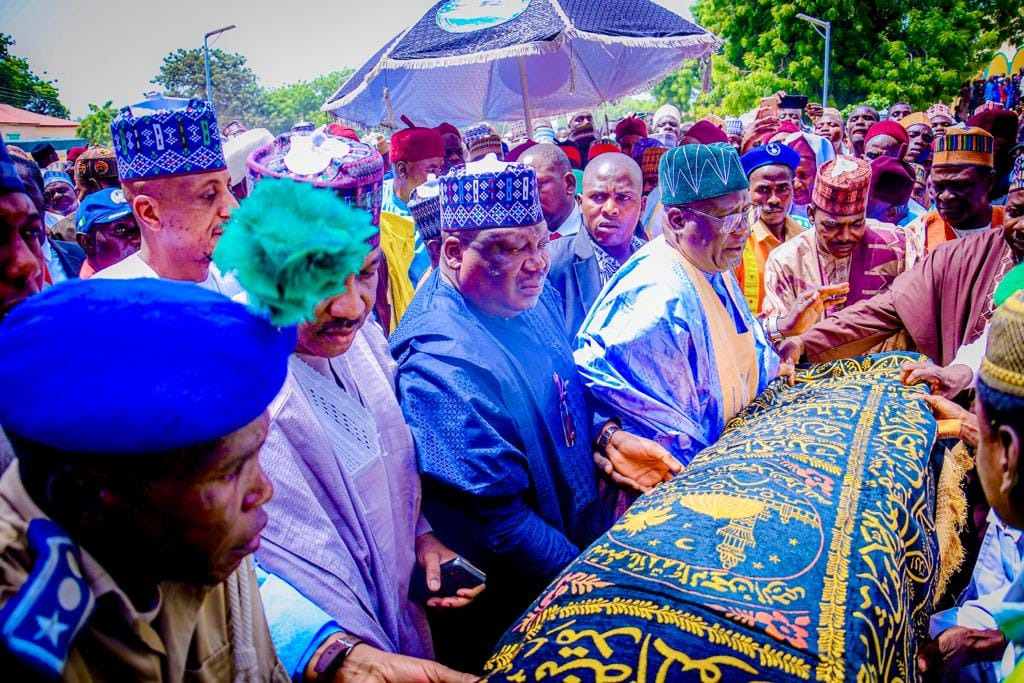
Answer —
(349, 372)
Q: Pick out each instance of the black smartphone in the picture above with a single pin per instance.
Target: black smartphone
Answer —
(455, 575)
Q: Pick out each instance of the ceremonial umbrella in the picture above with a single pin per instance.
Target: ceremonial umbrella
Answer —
(466, 61)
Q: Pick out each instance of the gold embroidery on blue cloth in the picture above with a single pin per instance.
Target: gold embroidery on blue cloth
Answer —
(800, 546)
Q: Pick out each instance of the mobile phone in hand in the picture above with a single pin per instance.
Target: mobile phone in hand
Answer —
(456, 574)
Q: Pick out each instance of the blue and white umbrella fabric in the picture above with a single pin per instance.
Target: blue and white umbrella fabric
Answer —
(466, 61)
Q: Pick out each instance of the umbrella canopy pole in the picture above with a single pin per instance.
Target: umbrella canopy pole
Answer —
(526, 97)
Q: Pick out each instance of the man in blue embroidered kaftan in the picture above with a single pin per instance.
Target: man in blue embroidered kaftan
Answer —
(671, 346)
(487, 382)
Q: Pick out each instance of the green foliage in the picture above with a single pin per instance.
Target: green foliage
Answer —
(289, 104)
(236, 92)
(919, 51)
(96, 126)
(21, 88)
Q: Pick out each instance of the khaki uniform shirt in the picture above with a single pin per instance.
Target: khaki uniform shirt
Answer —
(185, 636)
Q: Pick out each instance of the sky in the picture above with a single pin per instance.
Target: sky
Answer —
(101, 50)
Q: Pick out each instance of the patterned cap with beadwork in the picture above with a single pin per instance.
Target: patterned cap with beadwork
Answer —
(164, 137)
(352, 169)
(650, 158)
(963, 147)
(939, 110)
(1002, 368)
(842, 185)
(425, 207)
(490, 194)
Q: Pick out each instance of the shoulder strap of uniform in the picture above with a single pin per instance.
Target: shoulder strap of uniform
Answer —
(39, 624)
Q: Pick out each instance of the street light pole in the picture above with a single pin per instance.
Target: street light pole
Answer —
(827, 35)
(206, 56)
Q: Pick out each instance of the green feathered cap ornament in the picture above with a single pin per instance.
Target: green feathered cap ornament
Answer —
(1011, 283)
(291, 245)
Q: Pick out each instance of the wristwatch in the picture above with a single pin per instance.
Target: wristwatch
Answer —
(771, 329)
(606, 436)
(333, 657)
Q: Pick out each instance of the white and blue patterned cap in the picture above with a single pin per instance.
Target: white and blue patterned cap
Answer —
(167, 136)
(490, 194)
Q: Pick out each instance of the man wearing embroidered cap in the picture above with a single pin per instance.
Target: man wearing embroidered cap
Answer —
(175, 178)
(106, 231)
(499, 416)
(166, 467)
(961, 178)
(940, 116)
(856, 256)
(769, 170)
(942, 303)
(671, 345)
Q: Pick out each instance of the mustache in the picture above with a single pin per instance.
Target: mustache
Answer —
(338, 325)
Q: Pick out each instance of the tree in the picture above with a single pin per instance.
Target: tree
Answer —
(919, 51)
(22, 88)
(236, 92)
(285, 106)
(96, 126)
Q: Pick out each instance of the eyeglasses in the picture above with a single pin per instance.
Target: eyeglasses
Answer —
(568, 424)
(732, 222)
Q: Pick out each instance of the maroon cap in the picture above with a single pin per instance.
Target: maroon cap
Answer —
(892, 180)
(999, 123)
(706, 133)
(630, 125)
(891, 128)
(446, 128)
(415, 143)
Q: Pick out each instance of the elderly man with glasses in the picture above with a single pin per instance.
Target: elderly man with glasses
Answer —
(671, 344)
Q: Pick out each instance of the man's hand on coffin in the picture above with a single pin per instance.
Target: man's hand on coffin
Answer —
(790, 349)
(947, 413)
(959, 646)
(948, 381)
(367, 664)
(635, 462)
(431, 554)
(809, 306)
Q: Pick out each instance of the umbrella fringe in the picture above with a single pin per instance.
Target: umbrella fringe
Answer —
(536, 48)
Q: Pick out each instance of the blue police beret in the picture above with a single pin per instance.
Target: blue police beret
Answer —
(170, 365)
(772, 153)
(106, 206)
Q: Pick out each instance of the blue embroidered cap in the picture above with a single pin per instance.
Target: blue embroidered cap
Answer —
(770, 154)
(167, 136)
(425, 207)
(490, 194)
(194, 366)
